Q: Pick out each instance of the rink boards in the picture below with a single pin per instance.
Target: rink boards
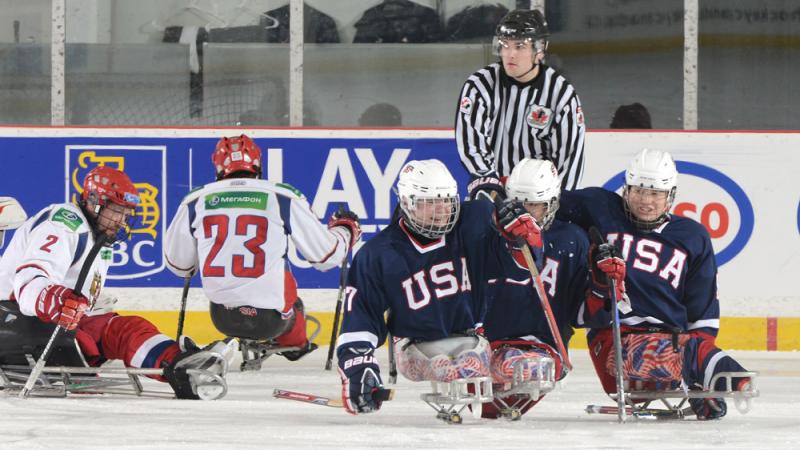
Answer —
(741, 185)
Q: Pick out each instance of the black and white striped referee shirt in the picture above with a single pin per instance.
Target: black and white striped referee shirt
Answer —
(501, 121)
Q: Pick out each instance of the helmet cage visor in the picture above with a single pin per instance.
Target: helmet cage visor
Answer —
(431, 217)
(550, 209)
(659, 194)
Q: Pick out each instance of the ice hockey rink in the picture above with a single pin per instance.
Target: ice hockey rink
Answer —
(249, 417)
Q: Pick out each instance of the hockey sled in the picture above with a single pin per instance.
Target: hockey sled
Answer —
(673, 403)
(513, 398)
(62, 381)
(450, 399)
(254, 352)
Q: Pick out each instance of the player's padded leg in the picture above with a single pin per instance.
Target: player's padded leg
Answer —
(296, 336)
(132, 339)
(703, 359)
(652, 360)
(601, 345)
(505, 354)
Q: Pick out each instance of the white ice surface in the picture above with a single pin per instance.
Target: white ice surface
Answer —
(249, 417)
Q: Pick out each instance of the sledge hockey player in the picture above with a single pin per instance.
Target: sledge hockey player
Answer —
(429, 269)
(664, 266)
(40, 268)
(516, 324)
(237, 230)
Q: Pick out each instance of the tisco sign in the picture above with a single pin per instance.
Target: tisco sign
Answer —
(713, 199)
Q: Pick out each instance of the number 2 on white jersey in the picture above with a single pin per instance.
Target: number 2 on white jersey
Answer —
(243, 227)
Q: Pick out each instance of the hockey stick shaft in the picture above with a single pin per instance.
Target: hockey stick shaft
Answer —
(382, 395)
(187, 281)
(39, 366)
(541, 292)
(392, 362)
(536, 279)
(337, 315)
(597, 239)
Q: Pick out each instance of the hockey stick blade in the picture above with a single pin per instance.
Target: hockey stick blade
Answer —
(642, 413)
(383, 395)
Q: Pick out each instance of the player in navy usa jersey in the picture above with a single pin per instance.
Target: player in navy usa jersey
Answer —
(430, 270)
(516, 324)
(666, 270)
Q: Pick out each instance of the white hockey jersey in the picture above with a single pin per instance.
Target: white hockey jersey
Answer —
(237, 232)
(50, 248)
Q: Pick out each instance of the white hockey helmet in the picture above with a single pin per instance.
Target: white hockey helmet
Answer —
(651, 169)
(428, 197)
(536, 181)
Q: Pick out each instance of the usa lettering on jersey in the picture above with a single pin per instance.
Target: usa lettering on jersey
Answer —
(442, 279)
(647, 254)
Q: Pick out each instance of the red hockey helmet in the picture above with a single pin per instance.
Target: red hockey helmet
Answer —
(105, 183)
(236, 154)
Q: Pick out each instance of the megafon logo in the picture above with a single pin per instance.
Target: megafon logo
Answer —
(713, 199)
(142, 253)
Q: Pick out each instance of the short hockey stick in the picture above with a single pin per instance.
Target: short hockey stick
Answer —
(602, 246)
(392, 362)
(548, 311)
(536, 280)
(39, 366)
(337, 315)
(383, 395)
(642, 413)
(187, 280)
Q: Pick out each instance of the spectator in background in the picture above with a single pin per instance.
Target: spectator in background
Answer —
(474, 23)
(634, 115)
(318, 27)
(398, 21)
(381, 115)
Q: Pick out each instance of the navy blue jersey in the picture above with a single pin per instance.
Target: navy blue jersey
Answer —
(516, 311)
(430, 291)
(670, 272)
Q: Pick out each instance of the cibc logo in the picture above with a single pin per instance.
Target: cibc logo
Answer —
(713, 199)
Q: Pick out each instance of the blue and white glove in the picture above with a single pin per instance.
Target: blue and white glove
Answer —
(482, 188)
(708, 408)
(362, 388)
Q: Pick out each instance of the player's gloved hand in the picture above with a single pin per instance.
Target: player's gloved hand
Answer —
(606, 263)
(348, 220)
(708, 408)
(482, 188)
(518, 223)
(362, 387)
(61, 305)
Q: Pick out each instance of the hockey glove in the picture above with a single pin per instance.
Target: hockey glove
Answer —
(517, 223)
(708, 408)
(362, 387)
(481, 188)
(61, 305)
(348, 220)
(606, 263)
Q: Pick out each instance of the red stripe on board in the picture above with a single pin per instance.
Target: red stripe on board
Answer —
(772, 333)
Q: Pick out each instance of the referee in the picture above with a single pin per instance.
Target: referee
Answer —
(519, 108)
